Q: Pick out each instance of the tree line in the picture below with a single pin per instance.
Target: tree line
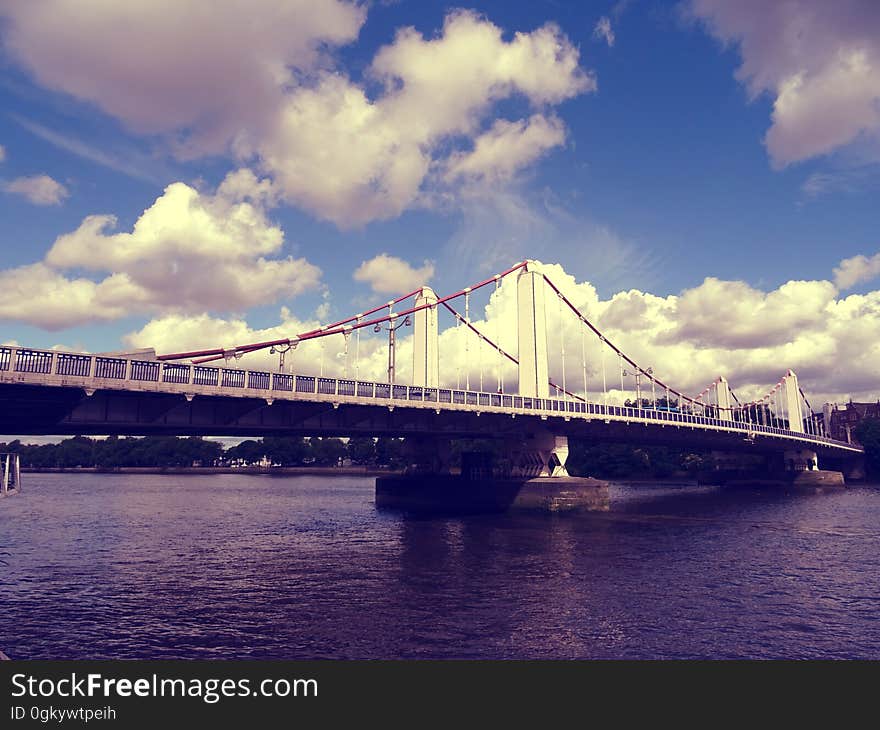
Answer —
(585, 459)
(171, 451)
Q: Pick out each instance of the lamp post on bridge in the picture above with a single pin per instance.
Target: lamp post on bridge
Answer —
(281, 350)
(638, 376)
(393, 326)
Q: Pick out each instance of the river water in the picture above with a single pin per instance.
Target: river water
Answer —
(262, 567)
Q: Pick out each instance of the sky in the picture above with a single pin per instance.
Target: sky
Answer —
(700, 177)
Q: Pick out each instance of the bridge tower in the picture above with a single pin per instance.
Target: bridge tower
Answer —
(426, 359)
(792, 396)
(534, 378)
(723, 393)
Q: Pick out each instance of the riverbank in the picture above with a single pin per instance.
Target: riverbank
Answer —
(323, 471)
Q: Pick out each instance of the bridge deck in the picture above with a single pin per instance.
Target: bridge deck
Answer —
(93, 373)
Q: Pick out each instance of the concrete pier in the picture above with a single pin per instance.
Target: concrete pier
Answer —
(810, 481)
(451, 494)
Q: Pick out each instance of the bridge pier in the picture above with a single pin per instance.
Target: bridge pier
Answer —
(528, 474)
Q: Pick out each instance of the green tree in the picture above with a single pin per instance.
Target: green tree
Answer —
(362, 450)
(389, 452)
(868, 435)
(328, 451)
(286, 451)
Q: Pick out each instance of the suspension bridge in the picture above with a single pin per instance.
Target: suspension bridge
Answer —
(553, 383)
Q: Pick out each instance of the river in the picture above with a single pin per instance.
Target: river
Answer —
(263, 567)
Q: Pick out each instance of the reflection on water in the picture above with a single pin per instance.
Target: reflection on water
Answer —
(236, 566)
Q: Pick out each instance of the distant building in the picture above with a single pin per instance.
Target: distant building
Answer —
(840, 423)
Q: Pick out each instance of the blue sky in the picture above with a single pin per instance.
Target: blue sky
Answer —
(638, 165)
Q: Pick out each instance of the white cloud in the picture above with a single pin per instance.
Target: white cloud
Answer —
(604, 31)
(857, 270)
(351, 158)
(820, 62)
(38, 189)
(189, 252)
(202, 71)
(688, 339)
(253, 78)
(2, 153)
(391, 275)
(499, 153)
(39, 295)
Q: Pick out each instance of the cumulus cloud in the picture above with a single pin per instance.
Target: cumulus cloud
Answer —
(203, 72)
(351, 158)
(819, 61)
(506, 148)
(41, 296)
(38, 189)
(603, 31)
(689, 339)
(391, 275)
(189, 252)
(857, 270)
(255, 79)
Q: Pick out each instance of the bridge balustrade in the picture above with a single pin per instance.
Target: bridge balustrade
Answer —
(174, 373)
(258, 380)
(205, 376)
(327, 386)
(145, 371)
(398, 392)
(284, 382)
(233, 378)
(366, 390)
(5, 357)
(73, 364)
(111, 367)
(383, 390)
(33, 361)
(345, 387)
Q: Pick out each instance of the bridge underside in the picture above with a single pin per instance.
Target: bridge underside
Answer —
(31, 409)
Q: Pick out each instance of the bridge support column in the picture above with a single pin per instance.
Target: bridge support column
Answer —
(426, 360)
(792, 395)
(534, 379)
(531, 476)
(540, 455)
(801, 460)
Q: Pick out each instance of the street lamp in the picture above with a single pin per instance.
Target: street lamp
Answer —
(638, 375)
(392, 328)
(281, 350)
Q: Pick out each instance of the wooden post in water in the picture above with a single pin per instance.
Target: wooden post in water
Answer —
(11, 480)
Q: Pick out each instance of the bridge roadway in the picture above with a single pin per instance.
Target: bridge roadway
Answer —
(53, 392)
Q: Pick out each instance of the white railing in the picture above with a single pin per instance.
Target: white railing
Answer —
(94, 367)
